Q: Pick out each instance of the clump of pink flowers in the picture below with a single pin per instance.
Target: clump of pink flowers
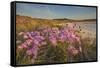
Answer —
(53, 35)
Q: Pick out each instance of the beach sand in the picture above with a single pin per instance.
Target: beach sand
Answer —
(85, 34)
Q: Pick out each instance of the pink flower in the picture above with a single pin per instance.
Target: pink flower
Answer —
(20, 47)
(29, 35)
(21, 33)
(54, 42)
(78, 40)
(36, 42)
(62, 38)
(29, 52)
(75, 52)
(24, 45)
(25, 36)
(29, 41)
(72, 50)
(43, 43)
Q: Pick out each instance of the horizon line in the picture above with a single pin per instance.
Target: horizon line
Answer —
(54, 18)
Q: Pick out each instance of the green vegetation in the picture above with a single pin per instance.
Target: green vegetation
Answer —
(48, 53)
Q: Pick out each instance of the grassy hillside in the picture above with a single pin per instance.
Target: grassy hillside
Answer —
(25, 23)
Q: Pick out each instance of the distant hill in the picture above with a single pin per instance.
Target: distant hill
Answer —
(72, 20)
(88, 20)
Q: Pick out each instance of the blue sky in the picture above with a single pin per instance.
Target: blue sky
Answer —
(55, 11)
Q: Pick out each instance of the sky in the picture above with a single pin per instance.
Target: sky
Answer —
(55, 11)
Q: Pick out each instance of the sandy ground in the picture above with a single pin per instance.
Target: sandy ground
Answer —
(85, 33)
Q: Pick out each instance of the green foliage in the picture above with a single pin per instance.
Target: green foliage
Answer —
(52, 54)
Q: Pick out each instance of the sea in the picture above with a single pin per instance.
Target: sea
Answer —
(90, 26)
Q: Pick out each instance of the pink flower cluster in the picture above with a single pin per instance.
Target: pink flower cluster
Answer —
(43, 35)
